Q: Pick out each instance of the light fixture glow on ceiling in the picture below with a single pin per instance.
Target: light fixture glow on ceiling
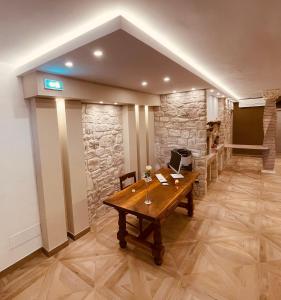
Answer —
(193, 89)
(167, 79)
(180, 55)
(60, 40)
(174, 91)
(130, 22)
(144, 83)
(115, 103)
(101, 102)
(69, 64)
(211, 90)
(218, 94)
(98, 53)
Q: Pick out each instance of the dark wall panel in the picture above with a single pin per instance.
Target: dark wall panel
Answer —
(247, 128)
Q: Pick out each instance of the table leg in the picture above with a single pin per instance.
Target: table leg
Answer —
(122, 229)
(158, 248)
(190, 204)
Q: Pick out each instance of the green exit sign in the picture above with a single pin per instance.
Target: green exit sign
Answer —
(51, 84)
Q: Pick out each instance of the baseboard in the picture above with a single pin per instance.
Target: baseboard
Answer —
(20, 263)
(78, 235)
(55, 250)
(30, 256)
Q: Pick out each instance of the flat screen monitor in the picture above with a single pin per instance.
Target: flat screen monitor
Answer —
(175, 162)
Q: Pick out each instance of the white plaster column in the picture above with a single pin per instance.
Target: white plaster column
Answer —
(142, 138)
(72, 151)
(49, 174)
(130, 138)
(150, 135)
(138, 134)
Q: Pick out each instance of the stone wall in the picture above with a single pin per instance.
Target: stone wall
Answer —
(180, 122)
(226, 118)
(269, 128)
(104, 153)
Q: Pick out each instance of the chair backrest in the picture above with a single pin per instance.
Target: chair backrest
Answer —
(125, 177)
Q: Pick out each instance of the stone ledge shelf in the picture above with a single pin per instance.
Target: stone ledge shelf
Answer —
(249, 147)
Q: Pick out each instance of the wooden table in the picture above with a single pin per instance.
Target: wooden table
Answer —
(165, 199)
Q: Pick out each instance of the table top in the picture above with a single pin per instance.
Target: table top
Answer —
(163, 197)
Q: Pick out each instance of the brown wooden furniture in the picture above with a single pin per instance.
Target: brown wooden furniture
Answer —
(126, 176)
(164, 201)
(122, 187)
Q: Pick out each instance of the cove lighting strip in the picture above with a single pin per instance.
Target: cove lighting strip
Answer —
(143, 26)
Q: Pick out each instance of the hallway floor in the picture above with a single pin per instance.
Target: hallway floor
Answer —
(230, 249)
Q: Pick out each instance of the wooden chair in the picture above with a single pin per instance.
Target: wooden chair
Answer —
(122, 179)
(126, 176)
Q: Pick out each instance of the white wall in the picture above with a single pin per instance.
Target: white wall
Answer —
(19, 217)
(212, 108)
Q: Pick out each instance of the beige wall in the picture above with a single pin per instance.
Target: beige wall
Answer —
(130, 138)
(19, 216)
(49, 174)
(141, 139)
(70, 114)
(84, 91)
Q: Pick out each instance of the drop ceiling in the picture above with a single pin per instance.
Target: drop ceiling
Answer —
(126, 62)
(236, 41)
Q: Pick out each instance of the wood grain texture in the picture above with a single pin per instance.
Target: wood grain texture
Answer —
(229, 250)
(163, 196)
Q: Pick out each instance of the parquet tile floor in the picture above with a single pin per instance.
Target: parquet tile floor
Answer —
(230, 249)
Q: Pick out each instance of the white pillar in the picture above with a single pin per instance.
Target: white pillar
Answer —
(49, 174)
(130, 138)
(72, 150)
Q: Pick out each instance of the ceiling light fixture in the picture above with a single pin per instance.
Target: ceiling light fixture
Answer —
(166, 79)
(211, 90)
(98, 53)
(69, 64)
(101, 102)
(193, 89)
(144, 83)
(115, 103)
(218, 94)
(174, 91)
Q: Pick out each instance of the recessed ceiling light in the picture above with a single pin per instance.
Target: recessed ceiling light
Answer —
(193, 89)
(218, 94)
(69, 64)
(101, 102)
(98, 53)
(115, 103)
(223, 96)
(166, 79)
(144, 83)
(211, 90)
(174, 91)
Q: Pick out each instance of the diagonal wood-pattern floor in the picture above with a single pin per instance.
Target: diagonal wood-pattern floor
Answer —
(230, 249)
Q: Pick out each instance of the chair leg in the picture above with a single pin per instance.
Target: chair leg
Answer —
(140, 224)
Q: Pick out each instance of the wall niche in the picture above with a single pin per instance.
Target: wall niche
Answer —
(104, 153)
